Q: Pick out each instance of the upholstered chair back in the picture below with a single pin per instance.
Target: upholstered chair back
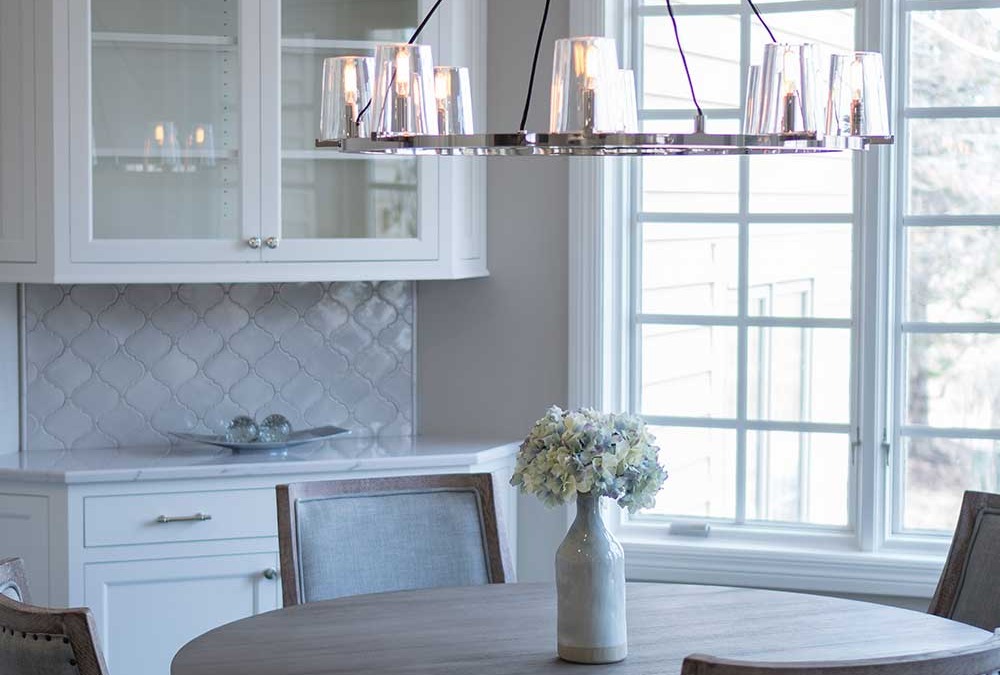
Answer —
(969, 589)
(343, 538)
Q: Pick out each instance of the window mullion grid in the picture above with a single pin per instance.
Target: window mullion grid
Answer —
(743, 311)
(742, 321)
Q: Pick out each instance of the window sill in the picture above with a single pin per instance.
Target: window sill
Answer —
(783, 568)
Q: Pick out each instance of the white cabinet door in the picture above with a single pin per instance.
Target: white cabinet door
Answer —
(164, 130)
(320, 205)
(17, 118)
(146, 610)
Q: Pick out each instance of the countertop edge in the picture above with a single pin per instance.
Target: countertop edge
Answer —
(491, 453)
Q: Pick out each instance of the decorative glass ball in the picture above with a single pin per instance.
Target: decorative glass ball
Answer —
(275, 429)
(242, 429)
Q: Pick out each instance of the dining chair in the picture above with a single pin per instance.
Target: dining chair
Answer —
(38, 641)
(969, 588)
(980, 659)
(13, 582)
(353, 537)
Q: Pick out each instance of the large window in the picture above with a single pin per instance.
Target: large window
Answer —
(751, 279)
(947, 328)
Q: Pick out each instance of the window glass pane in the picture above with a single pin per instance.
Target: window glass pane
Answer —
(688, 371)
(384, 203)
(802, 184)
(955, 58)
(953, 166)
(954, 274)
(689, 269)
(938, 471)
(690, 184)
(801, 270)
(831, 30)
(712, 46)
(702, 466)
(165, 96)
(394, 19)
(798, 478)
(953, 380)
(799, 374)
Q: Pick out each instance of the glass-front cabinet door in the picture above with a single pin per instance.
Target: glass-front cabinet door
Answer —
(323, 205)
(164, 131)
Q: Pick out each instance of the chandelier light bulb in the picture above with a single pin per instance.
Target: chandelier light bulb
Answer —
(351, 82)
(403, 73)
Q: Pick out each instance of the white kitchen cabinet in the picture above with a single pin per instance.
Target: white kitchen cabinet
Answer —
(146, 610)
(88, 525)
(176, 145)
(17, 124)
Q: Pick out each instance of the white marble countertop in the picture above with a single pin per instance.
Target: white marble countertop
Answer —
(338, 455)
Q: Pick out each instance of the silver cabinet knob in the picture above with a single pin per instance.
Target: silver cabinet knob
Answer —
(270, 574)
(272, 242)
(254, 242)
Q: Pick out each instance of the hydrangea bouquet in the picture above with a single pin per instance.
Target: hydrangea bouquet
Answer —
(586, 451)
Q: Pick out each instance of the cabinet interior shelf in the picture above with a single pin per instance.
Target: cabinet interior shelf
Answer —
(162, 40)
(310, 44)
(138, 153)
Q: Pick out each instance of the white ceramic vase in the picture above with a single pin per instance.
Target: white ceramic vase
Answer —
(590, 583)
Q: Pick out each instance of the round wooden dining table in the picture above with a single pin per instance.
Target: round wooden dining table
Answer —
(511, 630)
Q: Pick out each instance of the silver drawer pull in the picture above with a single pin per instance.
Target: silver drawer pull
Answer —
(196, 518)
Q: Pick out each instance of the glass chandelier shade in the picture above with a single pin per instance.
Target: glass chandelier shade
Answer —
(586, 87)
(754, 103)
(347, 87)
(788, 91)
(857, 105)
(404, 101)
(453, 96)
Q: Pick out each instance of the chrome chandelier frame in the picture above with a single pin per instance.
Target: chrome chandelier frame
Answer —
(523, 144)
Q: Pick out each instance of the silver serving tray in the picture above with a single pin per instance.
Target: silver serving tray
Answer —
(295, 439)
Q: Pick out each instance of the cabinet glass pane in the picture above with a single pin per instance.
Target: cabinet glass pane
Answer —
(325, 196)
(165, 101)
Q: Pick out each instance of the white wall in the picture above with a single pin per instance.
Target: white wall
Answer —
(492, 352)
(9, 374)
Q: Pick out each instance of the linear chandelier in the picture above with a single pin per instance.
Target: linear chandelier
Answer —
(412, 108)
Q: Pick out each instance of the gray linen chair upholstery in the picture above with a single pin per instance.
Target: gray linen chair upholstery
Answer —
(352, 537)
(981, 659)
(37, 641)
(13, 582)
(969, 588)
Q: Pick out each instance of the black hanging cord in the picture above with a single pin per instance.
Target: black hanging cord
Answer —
(687, 71)
(756, 11)
(413, 38)
(534, 66)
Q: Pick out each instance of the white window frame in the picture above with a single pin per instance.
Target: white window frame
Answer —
(866, 559)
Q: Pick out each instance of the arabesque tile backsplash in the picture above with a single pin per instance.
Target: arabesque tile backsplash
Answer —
(114, 366)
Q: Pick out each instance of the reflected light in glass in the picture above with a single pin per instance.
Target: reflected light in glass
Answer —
(629, 108)
(857, 104)
(752, 115)
(788, 91)
(346, 90)
(404, 90)
(586, 86)
(453, 94)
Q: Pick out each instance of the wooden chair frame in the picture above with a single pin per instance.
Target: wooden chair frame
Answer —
(76, 626)
(500, 568)
(981, 659)
(12, 575)
(949, 587)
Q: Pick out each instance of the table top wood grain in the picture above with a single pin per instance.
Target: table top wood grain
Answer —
(510, 630)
